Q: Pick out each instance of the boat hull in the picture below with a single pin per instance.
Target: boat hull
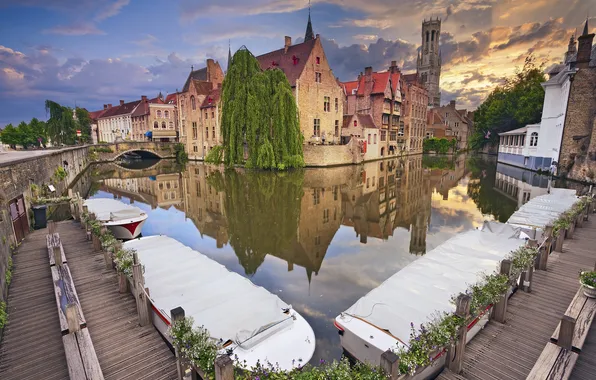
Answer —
(126, 229)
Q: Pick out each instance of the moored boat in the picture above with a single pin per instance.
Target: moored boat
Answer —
(246, 321)
(383, 318)
(125, 221)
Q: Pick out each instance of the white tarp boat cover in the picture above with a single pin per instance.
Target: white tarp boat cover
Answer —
(106, 209)
(544, 209)
(417, 292)
(228, 305)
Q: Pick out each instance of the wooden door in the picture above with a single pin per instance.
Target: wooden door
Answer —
(18, 214)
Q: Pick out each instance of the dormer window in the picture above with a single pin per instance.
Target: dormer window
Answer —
(355, 123)
(318, 59)
(318, 77)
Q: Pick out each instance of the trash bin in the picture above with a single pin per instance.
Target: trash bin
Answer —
(39, 214)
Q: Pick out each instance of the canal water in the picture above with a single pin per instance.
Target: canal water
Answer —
(318, 238)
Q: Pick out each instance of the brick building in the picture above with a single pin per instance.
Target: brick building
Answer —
(414, 113)
(317, 92)
(458, 123)
(153, 115)
(578, 145)
(378, 95)
(199, 84)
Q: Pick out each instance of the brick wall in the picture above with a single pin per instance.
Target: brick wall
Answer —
(327, 155)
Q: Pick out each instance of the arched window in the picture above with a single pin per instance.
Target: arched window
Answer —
(163, 124)
(159, 113)
(166, 114)
(427, 35)
(155, 125)
(534, 139)
(432, 36)
(193, 105)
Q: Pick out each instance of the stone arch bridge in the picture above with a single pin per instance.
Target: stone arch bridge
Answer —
(148, 149)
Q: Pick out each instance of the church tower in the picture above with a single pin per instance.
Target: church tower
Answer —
(429, 60)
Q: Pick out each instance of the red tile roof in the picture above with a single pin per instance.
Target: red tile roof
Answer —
(202, 87)
(380, 82)
(171, 98)
(96, 114)
(212, 99)
(292, 62)
(110, 112)
(349, 87)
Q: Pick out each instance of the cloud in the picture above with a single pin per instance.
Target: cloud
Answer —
(78, 29)
(111, 10)
(192, 10)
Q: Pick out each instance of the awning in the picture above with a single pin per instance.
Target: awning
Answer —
(148, 134)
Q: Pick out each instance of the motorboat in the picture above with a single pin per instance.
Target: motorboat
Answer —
(244, 320)
(124, 221)
(383, 319)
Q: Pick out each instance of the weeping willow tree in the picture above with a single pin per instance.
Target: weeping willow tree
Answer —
(61, 126)
(259, 111)
(255, 202)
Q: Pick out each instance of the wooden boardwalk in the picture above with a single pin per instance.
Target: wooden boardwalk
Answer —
(510, 350)
(124, 349)
(32, 344)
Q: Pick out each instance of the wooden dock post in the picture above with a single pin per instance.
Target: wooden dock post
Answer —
(566, 332)
(500, 309)
(224, 368)
(390, 364)
(85, 211)
(177, 314)
(139, 291)
(455, 355)
(548, 240)
(570, 229)
(72, 204)
(560, 240)
(51, 227)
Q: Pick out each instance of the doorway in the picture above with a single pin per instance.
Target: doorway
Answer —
(18, 215)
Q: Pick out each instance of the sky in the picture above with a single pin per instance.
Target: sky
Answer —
(92, 52)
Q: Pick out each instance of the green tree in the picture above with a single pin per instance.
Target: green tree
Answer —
(38, 130)
(61, 126)
(84, 124)
(514, 104)
(259, 111)
(10, 136)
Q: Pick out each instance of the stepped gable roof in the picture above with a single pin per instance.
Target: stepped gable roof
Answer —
(212, 99)
(200, 74)
(202, 87)
(349, 87)
(292, 62)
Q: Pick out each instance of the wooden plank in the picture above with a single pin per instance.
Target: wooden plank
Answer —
(54, 241)
(65, 294)
(76, 370)
(544, 364)
(563, 366)
(582, 326)
(60, 299)
(90, 361)
(574, 311)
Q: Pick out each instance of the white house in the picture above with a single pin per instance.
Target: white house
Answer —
(115, 122)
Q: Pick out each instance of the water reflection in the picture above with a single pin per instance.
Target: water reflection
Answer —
(320, 238)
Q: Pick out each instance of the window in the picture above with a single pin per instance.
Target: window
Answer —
(327, 104)
(355, 123)
(196, 149)
(523, 140)
(457, 124)
(206, 132)
(427, 35)
(516, 140)
(193, 104)
(393, 136)
(318, 59)
(336, 105)
(213, 114)
(316, 199)
(155, 125)
(159, 113)
(166, 114)
(318, 77)
(375, 139)
(383, 135)
(326, 215)
(213, 132)
(195, 133)
(534, 139)
(206, 116)
(369, 138)
(171, 125)
(317, 127)
(385, 119)
(163, 125)
(317, 240)
(432, 36)
(336, 128)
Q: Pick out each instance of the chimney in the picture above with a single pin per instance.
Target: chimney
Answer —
(144, 98)
(109, 105)
(393, 68)
(105, 106)
(121, 102)
(287, 43)
(584, 48)
(317, 37)
(210, 62)
(368, 71)
(368, 82)
(452, 103)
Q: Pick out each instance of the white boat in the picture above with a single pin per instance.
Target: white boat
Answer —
(533, 216)
(125, 221)
(381, 320)
(244, 319)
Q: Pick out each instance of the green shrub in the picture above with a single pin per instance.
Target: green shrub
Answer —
(3, 314)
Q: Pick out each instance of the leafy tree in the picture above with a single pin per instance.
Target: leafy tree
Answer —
(39, 132)
(259, 110)
(514, 104)
(84, 124)
(10, 136)
(61, 126)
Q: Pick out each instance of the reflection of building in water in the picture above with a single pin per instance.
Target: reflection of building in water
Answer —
(518, 184)
(163, 190)
(204, 204)
(442, 180)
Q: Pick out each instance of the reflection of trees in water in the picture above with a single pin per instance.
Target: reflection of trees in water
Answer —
(262, 210)
(481, 189)
(438, 162)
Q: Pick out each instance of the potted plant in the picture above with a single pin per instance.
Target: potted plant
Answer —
(588, 281)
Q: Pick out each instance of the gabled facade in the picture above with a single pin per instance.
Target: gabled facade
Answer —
(414, 113)
(460, 122)
(318, 94)
(116, 123)
(197, 88)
